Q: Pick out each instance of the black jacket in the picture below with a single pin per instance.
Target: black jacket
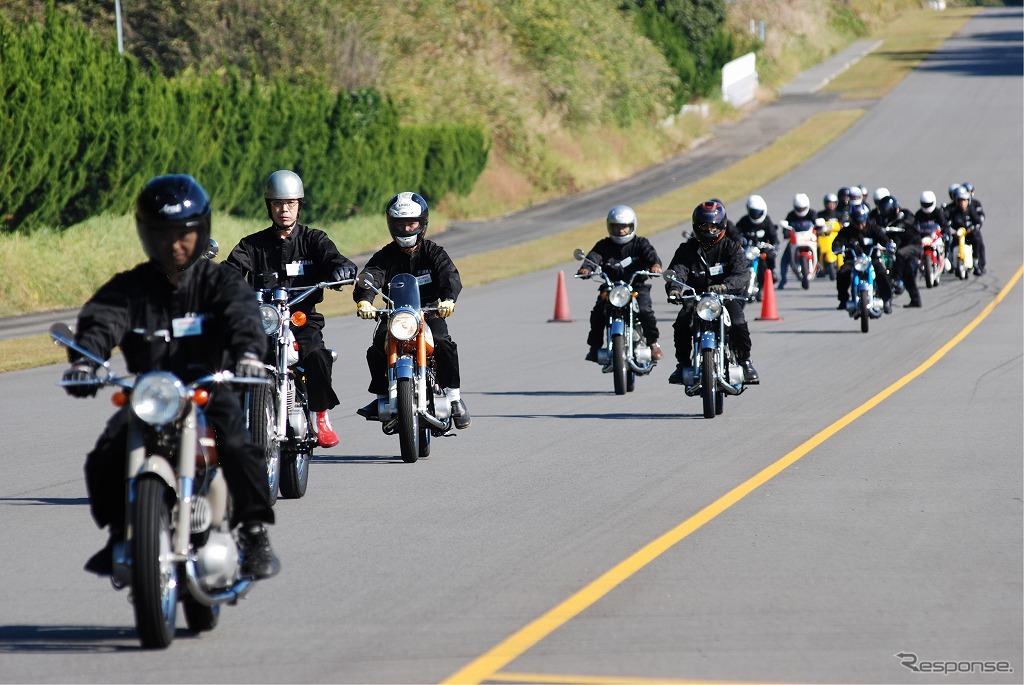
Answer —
(903, 230)
(936, 215)
(746, 230)
(203, 325)
(968, 219)
(610, 255)
(699, 268)
(860, 242)
(306, 257)
(439, 279)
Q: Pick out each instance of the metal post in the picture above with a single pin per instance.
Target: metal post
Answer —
(120, 34)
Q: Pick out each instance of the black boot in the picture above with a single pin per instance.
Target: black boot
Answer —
(676, 377)
(592, 354)
(749, 372)
(102, 563)
(259, 560)
(369, 412)
(460, 415)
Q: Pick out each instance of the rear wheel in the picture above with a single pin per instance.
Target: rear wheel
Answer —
(707, 382)
(928, 267)
(408, 424)
(295, 474)
(630, 380)
(198, 617)
(154, 573)
(864, 315)
(805, 272)
(619, 364)
(719, 403)
(261, 421)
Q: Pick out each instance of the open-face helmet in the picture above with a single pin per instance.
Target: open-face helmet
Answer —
(168, 205)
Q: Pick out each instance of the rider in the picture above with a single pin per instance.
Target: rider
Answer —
(843, 208)
(189, 316)
(410, 252)
(710, 260)
(901, 228)
(757, 219)
(830, 207)
(930, 211)
(879, 194)
(801, 212)
(961, 213)
(623, 246)
(860, 236)
(300, 256)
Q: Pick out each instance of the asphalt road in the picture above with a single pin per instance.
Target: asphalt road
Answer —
(897, 530)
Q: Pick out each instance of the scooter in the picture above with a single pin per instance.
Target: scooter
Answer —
(828, 261)
(961, 254)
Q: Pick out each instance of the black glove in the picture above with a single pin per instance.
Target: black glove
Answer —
(81, 372)
(675, 296)
(342, 273)
(721, 289)
(250, 366)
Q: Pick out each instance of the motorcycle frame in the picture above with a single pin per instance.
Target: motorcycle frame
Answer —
(712, 335)
(617, 325)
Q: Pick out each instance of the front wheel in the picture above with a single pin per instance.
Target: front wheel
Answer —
(295, 474)
(864, 315)
(619, 364)
(805, 272)
(928, 267)
(707, 382)
(154, 573)
(408, 422)
(260, 417)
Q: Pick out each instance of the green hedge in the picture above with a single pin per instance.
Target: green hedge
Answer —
(82, 128)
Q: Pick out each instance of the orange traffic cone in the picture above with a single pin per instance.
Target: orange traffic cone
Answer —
(561, 302)
(768, 311)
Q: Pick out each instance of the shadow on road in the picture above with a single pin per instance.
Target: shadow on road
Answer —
(71, 639)
(49, 501)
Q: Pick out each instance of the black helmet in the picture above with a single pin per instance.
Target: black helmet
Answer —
(844, 196)
(406, 206)
(858, 214)
(888, 208)
(709, 222)
(170, 203)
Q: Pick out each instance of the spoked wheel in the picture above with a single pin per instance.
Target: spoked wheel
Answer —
(864, 315)
(408, 422)
(707, 382)
(619, 364)
(805, 272)
(198, 617)
(260, 417)
(154, 573)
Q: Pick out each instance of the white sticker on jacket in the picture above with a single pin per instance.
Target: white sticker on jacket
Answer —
(716, 269)
(294, 269)
(187, 326)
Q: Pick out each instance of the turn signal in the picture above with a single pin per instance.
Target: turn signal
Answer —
(200, 397)
(119, 398)
(299, 319)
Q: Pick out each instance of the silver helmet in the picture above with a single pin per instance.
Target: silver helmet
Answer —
(284, 185)
(621, 215)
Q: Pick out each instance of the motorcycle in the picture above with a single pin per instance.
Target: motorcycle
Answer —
(828, 261)
(178, 543)
(933, 253)
(713, 372)
(863, 303)
(416, 407)
(961, 254)
(756, 253)
(278, 415)
(803, 240)
(626, 353)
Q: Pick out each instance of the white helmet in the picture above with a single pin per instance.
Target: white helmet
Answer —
(879, 194)
(757, 208)
(856, 195)
(801, 204)
(928, 201)
(621, 215)
(952, 190)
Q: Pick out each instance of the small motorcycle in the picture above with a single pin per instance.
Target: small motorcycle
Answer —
(933, 253)
(803, 240)
(278, 415)
(828, 261)
(713, 372)
(756, 253)
(961, 253)
(416, 408)
(178, 543)
(626, 353)
(863, 303)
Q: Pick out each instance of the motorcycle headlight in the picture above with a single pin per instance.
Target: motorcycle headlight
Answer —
(862, 263)
(753, 253)
(158, 398)
(404, 325)
(271, 319)
(709, 308)
(619, 296)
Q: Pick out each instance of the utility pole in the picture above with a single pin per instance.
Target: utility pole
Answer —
(120, 34)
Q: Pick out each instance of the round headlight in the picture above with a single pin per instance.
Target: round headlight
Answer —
(709, 308)
(404, 325)
(271, 319)
(619, 296)
(158, 398)
(753, 253)
(862, 263)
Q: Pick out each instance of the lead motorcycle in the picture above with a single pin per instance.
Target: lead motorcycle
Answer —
(626, 353)
(864, 304)
(713, 372)
(178, 544)
(416, 408)
(278, 415)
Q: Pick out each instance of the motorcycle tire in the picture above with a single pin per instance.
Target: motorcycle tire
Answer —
(928, 268)
(198, 617)
(260, 419)
(630, 380)
(805, 272)
(865, 315)
(425, 430)
(408, 423)
(830, 269)
(719, 402)
(619, 364)
(295, 474)
(154, 572)
(707, 382)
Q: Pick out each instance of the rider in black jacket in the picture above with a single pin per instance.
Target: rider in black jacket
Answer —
(899, 225)
(962, 214)
(710, 260)
(757, 221)
(191, 317)
(620, 255)
(410, 252)
(298, 256)
(861, 236)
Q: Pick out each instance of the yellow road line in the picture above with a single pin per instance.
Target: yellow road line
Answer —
(564, 679)
(485, 666)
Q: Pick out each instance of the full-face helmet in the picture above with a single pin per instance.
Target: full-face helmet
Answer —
(859, 215)
(801, 204)
(856, 196)
(709, 222)
(889, 208)
(928, 201)
(757, 208)
(400, 211)
(879, 193)
(619, 216)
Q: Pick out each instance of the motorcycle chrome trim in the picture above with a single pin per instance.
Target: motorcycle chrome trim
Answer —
(230, 595)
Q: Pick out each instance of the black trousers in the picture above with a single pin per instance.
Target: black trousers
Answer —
(315, 359)
(648, 320)
(446, 357)
(245, 468)
(977, 241)
(739, 333)
(908, 259)
(882, 283)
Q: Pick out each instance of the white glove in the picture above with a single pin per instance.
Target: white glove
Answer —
(445, 308)
(365, 310)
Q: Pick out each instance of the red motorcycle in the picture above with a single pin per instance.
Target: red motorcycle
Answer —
(933, 254)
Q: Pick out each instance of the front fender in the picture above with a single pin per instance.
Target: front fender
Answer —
(707, 340)
(404, 368)
(618, 327)
(159, 467)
